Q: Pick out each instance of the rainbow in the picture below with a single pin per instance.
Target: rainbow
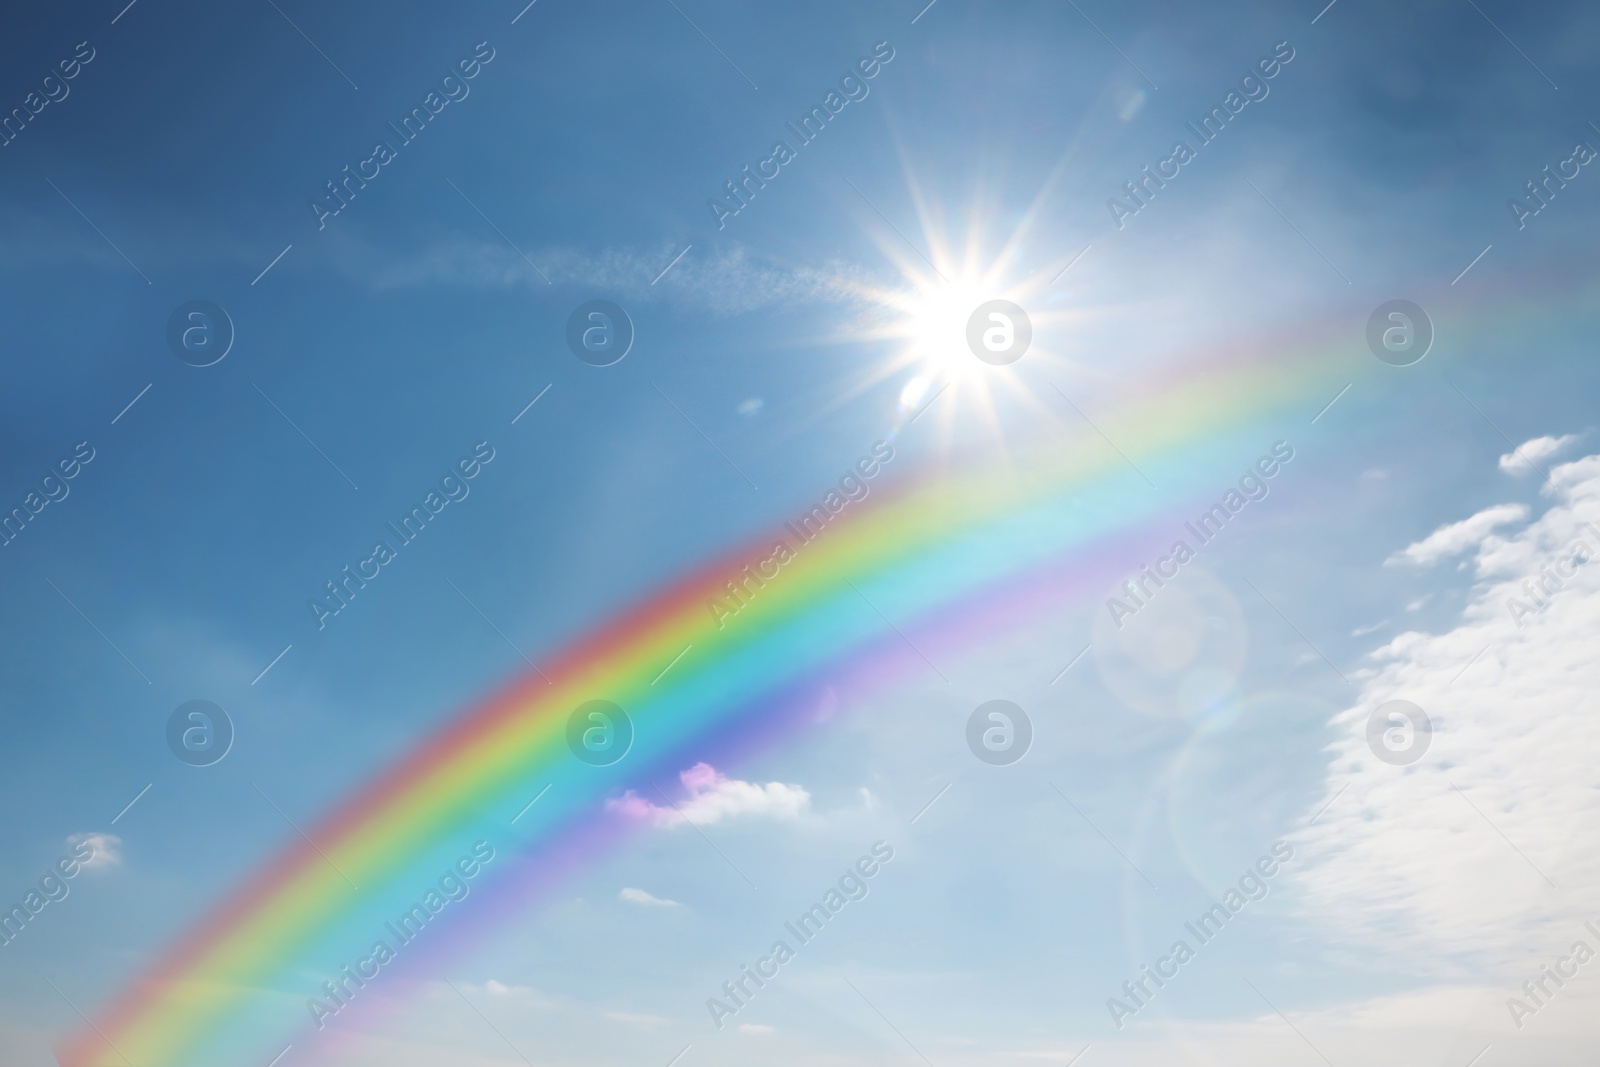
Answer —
(950, 557)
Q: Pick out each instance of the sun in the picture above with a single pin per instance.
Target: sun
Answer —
(935, 322)
(921, 328)
(969, 326)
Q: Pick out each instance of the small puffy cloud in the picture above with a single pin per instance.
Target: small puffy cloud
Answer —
(712, 797)
(756, 1028)
(639, 896)
(635, 1018)
(1523, 458)
(1455, 538)
(107, 850)
(525, 996)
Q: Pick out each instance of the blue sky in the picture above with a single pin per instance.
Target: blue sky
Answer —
(411, 326)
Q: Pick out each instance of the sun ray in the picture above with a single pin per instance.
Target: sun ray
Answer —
(931, 318)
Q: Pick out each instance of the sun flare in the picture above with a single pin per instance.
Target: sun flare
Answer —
(941, 334)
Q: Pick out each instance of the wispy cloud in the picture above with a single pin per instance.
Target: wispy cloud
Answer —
(636, 1018)
(640, 896)
(525, 996)
(724, 280)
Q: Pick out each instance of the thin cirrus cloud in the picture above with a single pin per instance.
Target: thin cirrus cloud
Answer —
(711, 797)
(724, 280)
(1487, 849)
(634, 1018)
(645, 898)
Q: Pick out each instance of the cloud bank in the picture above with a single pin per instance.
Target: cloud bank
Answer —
(1482, 857)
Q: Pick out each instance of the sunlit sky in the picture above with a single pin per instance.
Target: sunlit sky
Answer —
(772, 348)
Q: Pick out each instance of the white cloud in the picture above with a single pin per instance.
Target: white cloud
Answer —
(1525, 457)
(1485, 853)
(635, 1018)
(525, 996)
(756, 1028)
(639, 896)
(107, 850)
(1456, 537)
(712, 797)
